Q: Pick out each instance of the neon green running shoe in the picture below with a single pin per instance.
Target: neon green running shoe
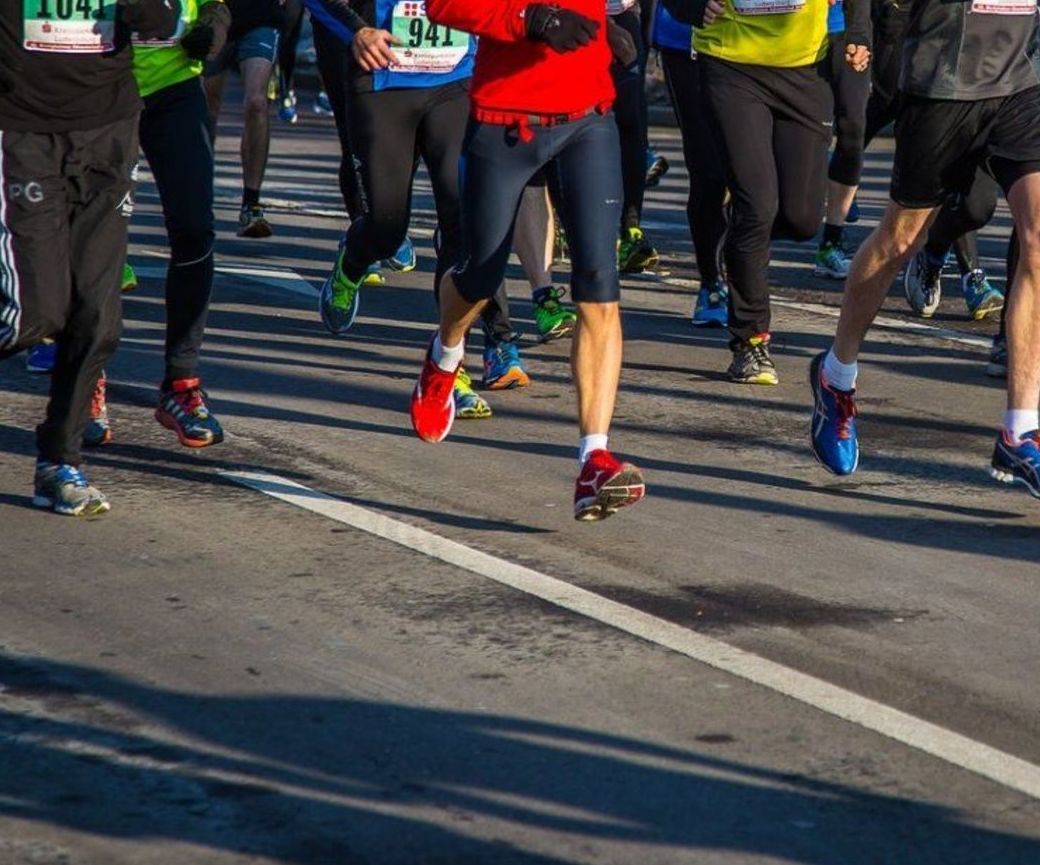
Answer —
(552, 318)
(129, 281)
(339, 299)
(635, 254)
(468, 403)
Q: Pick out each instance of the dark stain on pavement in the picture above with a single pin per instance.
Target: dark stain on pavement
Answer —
(751, 605)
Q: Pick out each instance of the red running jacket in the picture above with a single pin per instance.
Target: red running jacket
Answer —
(514, 74)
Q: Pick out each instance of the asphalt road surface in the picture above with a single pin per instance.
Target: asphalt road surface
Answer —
(325, 642)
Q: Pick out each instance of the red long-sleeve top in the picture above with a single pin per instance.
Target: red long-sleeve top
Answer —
(513, 74)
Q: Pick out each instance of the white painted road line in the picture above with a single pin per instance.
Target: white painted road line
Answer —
(899, 726)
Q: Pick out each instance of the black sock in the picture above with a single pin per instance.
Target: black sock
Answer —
(833, 234)
(250, 197)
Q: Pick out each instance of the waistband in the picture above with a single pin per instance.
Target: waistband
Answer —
(523, 122)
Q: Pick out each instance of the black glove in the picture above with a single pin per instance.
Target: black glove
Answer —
(208, 34)
(561, 29)
(150, 19)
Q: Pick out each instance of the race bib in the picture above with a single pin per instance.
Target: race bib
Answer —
(767, 7)
(69, 26)
(1003, 7)
(425, 47)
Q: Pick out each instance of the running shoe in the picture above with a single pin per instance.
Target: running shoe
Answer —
(656, 168)
(635, 254)
(433, 401)
(1017, 462)
(552, 318)
(339, 299)
(832, 261)
(63, 489)
(253, 223)
(503, 369)
(98, 431)
(922, 283)
(373, 276)
(604, 486)
(183, 409)
(469, 404)
(404, 259)
(998, 358)
(833, 428)
(712, 306)
(751, 361)
(287, 110)
(322, 105)
(853, 215)
(40, 358)
(980, 295)
(129, 280)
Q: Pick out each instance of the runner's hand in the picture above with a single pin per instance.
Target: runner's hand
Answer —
(858, 57)
(712, 10)
(561, 29)
(372, 49)
(208, 34)
(621, 44)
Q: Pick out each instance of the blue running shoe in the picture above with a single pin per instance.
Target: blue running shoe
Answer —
(1018, 462)
(980, 295)
(503, 368)
(287, 110)
(712, 306)
(833, 429)
(63, 489)
(40, 358)
(403, 260)
(853, 215)
(322, 105)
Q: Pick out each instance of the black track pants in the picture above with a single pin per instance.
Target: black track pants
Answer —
(65, 200)
(630, 112)
(774, 129)
(704, 211)
(175, 140)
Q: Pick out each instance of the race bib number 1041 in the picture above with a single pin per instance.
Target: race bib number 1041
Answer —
(69, 26)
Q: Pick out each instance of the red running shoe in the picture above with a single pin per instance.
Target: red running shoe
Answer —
(433, 401)
(605, 485)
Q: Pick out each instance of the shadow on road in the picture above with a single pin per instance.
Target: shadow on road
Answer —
(313, 780)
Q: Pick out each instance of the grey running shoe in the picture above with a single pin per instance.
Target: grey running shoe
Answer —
(63, 489)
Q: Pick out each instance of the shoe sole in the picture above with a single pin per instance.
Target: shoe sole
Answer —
(473, 414)
(86, 510)
(561, 331)
(709, 322)
(257, 229)
(996, 370)
(987, 310)
(624, 489)
(510, 381)
(814, 375)
(764, 379)
(1011, 479)
(170, 424)
(828, 273)
(39, 370)
(640, 264)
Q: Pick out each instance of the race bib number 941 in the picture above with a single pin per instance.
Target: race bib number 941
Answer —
(425, 47)
(69, 26)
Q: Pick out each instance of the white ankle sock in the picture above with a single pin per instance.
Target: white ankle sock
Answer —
(1019, 421)
(447, 357)
(588, 444)
(840, 376)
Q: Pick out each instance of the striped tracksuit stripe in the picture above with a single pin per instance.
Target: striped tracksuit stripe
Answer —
(10, 287)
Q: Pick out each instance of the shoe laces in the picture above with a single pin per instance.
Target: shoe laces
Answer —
(509, 353)
(64, 474)
(551, 301)
(845, 403)
(192, 400)
(463, 382)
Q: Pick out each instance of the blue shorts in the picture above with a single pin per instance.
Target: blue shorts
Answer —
(494, 169)
(261, 44)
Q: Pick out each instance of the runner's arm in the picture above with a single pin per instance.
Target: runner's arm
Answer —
(858, 34)
(699, 13)
(338, 16)
(503, 20)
